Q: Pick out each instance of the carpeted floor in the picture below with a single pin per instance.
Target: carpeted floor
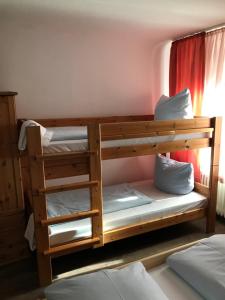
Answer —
(19, 280)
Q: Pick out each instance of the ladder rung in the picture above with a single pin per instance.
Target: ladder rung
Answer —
(70, 217)
(64, 155)
(67, 187)
(70, 246)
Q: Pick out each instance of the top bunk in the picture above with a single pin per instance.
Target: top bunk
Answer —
(172, 128)
(114, 137)
(125, 136)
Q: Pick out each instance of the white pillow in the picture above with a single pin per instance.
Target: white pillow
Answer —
(176, 107)
(172, 176)
(129, 283)
(68, 133)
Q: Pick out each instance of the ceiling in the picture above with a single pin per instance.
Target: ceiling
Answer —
(163, 19)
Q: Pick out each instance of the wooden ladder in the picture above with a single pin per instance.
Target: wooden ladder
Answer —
(39, 190)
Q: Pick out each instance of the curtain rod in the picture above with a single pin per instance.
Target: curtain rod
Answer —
(215, 27)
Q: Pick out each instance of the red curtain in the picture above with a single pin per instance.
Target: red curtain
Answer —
(187, 70)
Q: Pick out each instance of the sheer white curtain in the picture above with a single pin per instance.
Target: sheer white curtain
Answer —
(214, 102)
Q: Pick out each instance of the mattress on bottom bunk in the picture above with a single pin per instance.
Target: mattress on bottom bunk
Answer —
(82, 144)
(161, 205)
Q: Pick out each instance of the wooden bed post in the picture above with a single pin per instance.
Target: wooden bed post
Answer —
(214, 174)
(39, 204)
(94, 138)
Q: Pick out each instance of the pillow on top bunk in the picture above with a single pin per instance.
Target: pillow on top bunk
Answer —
(203, 266)
(131, 282)
(68, 133)
(172, 176)
(175, 107)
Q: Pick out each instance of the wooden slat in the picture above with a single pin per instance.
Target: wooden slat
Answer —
(39, 204)
(153, 126)
(155, 133)
(64, 155)
(66, 170)
(94, 139)
(147, 149)
(214, 173)
(91, 120)
(61, 168)
(61, 249)
(202, 189)
(134, 229)
(70, 217)
(68, 187)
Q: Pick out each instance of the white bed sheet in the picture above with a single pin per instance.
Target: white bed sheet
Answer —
(172, 285)
(82, 145)
(162, 205)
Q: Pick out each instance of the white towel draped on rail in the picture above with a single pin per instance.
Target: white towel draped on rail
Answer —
(46, 135)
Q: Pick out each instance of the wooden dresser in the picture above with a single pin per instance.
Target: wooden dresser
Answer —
(13, 246)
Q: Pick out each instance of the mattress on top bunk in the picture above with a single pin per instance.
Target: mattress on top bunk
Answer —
(82, 144)
(161, 205)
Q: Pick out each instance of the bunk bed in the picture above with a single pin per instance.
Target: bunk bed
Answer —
(111, 138)
(43, 165)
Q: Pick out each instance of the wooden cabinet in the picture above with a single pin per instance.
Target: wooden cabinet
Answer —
(12, 220)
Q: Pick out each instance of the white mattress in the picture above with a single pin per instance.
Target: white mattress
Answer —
(82, 145)
(116, 197)
(162, 205)
(172, 285)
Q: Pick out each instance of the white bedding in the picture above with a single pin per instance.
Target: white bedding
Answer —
(82, 145)
(172, 285)
(203, 266)
(116, 197)
(162, 205)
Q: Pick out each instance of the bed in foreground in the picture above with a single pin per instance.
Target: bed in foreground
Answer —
(193, 272)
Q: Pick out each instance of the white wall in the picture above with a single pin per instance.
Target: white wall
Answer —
(80, 67)
(85, 68)
(160, 65)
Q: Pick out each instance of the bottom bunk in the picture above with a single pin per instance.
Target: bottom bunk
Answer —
(126, 206)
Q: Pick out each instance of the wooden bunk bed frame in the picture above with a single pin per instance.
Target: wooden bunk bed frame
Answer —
(37, 167)
(48, 166)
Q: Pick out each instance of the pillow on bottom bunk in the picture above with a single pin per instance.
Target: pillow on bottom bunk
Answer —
(172, 176)
(203, 267)
(131, 282)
